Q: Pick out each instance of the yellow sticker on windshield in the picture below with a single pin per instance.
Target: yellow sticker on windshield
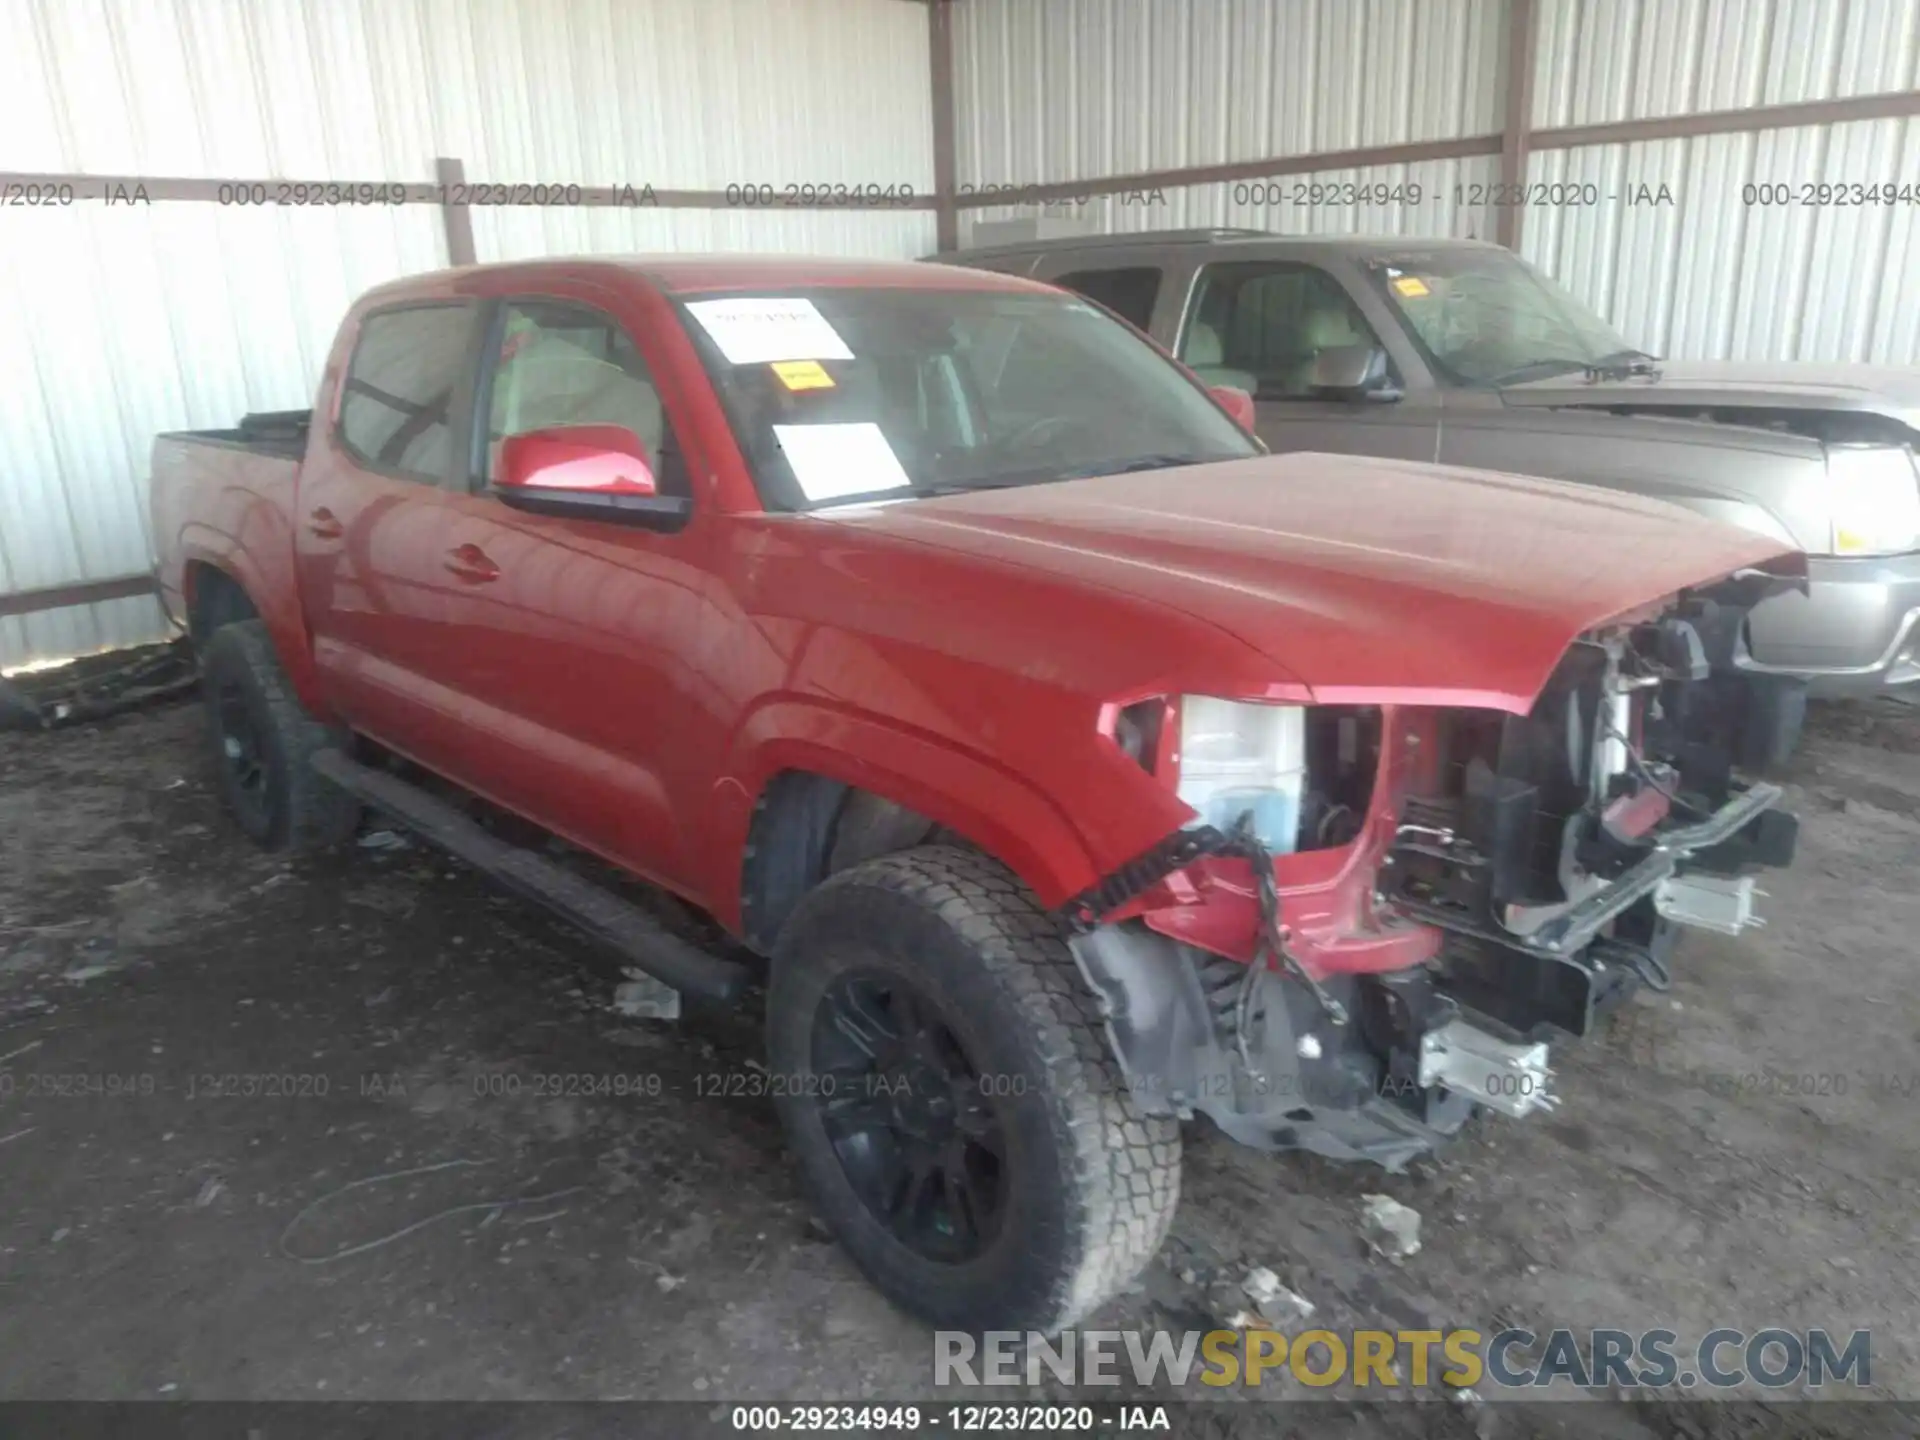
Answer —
(803, 374)
(1412, 286)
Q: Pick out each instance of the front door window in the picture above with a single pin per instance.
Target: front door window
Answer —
(1262, 326)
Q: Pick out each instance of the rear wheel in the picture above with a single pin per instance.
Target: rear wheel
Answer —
(947, 1088)
(263, 744)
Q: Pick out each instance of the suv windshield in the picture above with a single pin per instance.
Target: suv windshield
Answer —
(1486, 317)
(841, 393)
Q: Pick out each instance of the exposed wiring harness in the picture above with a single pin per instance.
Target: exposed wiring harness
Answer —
(1638, 764)
(1087, 911)
(1270, 944)
(1652, 972)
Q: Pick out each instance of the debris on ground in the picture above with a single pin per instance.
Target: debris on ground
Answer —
(95, 957)
(1390, 1228)
(385, 840)
(17, 709)
(644, 998)
(96, 686)
(689, 1178)
(1274, 1301)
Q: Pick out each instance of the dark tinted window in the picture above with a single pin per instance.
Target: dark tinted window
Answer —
(397, 408)
(1128, 293)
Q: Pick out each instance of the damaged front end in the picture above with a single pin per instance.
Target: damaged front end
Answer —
(1389, 927)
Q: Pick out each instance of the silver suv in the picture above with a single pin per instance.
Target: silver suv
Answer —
(1461, 352)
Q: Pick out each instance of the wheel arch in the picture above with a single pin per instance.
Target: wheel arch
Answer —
(220, 586)
(213, 597)
(805, 807)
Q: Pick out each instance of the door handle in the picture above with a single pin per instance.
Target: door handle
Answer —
(324, 523)
(471, 564)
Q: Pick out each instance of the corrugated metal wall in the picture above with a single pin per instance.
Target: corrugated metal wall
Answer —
(1603, 60)
(116, 323)
(1065, 89)
(119, 322)
(1713, 276)
(1057, 90)
(1446, 203)
(1050, 90)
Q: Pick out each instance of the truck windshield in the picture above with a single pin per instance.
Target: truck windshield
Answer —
(841, 394)
(1486, 317)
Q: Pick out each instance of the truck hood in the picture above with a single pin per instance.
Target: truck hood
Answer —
(1889, 390)
(1362, 580)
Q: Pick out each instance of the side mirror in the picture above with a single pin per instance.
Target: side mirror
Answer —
(1237, 403)
(585, 472)
(1352, 372)
(601, 459)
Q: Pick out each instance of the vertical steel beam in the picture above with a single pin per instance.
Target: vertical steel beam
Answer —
(458, 219)
(945, 185)
(1516, 133)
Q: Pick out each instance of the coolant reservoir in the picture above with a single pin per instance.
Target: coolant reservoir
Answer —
(1237, 757)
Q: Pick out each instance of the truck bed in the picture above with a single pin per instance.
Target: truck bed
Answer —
(282, 433)
(226, 497)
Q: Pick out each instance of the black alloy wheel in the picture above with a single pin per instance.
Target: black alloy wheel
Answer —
(909, 1116)
(948, 1092)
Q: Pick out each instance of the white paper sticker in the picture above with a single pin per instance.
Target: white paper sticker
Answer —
(831, 461)
(759, 331)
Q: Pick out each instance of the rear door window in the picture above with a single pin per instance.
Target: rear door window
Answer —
(1129, 293)
(404, 383)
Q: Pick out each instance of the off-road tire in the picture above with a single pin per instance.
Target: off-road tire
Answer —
(1094, 1182)
(294, 809)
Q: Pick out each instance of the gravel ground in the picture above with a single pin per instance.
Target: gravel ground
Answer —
(363, 1128)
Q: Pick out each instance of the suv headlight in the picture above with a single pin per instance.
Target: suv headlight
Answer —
(1873, 500)
(1236, 757)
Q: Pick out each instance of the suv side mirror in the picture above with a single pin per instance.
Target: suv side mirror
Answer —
(1237, 403)
(1352, 372)
(591, 472)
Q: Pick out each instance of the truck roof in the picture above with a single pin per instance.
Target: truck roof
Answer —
(685, 274)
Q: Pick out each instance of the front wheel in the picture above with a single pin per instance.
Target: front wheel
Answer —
(946, 1085)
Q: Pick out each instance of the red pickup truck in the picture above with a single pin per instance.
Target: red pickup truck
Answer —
(1077, 767)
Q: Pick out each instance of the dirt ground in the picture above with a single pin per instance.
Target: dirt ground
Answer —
(281, 1131)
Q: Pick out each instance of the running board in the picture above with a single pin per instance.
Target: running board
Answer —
(626, 929)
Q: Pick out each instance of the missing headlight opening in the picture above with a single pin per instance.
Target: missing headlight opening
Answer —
(1458, 889)
(1303, 774)
(1342, 758)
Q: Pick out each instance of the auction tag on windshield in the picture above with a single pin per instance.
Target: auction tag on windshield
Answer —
(833, 461)
(757, 331)
(803, 374)
(1411, 286)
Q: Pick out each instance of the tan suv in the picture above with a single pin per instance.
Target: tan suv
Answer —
(1460, 351)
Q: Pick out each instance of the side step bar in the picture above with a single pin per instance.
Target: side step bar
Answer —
(626, 929)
